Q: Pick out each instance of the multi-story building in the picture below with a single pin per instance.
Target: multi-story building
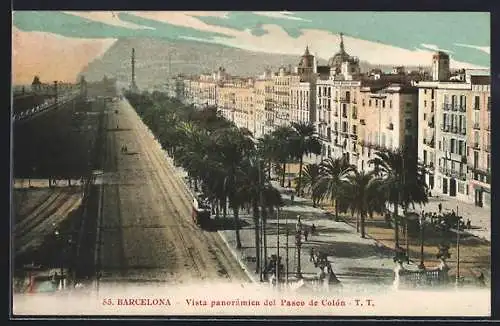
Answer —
(454, 138)
(236, 101)
(388, 118)
(357, 114)
(257, 125)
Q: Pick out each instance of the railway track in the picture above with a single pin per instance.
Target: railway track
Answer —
(219, 257)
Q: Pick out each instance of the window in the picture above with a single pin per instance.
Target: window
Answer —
(439, 145)
(363, 102)
(425, 156)
(390, 104)
(376, 102)
(461, 187)
(425, 91)
(383, 104)
(476, 159)
(354, 129)
(425, 116)
(425, 104)
(344, 126)
(476, 117)
(452, 146)
(461, 147)
(369, 102)
(336, 126)
(476, 102)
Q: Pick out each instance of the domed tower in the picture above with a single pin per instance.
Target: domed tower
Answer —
(336, 61)
(342, 64)
(306, 64)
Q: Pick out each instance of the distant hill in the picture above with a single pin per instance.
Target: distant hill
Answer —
(187, 57)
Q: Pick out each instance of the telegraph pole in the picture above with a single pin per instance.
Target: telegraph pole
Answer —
(278, 248)
(457, 277)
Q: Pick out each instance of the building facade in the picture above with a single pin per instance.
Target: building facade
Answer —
(454, 140)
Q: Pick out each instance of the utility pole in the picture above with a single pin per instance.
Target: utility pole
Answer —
(260, 266)
(278, 248)
(286, 253)
(457, 278)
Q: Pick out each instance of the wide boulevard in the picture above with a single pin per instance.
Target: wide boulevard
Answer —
(146, 232)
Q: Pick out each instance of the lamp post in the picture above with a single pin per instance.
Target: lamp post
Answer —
(421, 221)
(298, 244)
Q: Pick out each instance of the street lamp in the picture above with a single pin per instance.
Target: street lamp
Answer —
(298, 244)
(421, 221)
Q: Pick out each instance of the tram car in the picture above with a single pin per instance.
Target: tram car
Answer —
(202, 211)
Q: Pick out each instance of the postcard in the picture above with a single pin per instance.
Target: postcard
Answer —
(205, 163)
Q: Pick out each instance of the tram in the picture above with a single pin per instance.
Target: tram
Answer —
(202, 211)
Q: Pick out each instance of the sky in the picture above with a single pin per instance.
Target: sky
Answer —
(59, 44)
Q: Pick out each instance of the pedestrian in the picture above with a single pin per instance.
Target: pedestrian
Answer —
(440, 208)
(468, 224)
(306, 233)
(313, 229)
(480, 280)
(311, 255)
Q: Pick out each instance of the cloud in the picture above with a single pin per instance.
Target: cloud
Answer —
(106, 17)
(485, 49)
(434, 48)
(325, 44)
(187, 19)
(280, 15)
(51, 56)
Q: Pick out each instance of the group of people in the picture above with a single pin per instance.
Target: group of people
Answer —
(124, 149)
(305, 230)
(447, 220)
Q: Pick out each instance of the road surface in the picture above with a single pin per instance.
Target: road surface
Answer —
(146, 231)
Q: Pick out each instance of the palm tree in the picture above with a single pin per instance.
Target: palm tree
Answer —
(333, 180)
(268, 147)
(304, 142)
(284, 136)
(363, 192)
(403, 181)
(310, 178)
(232, 147)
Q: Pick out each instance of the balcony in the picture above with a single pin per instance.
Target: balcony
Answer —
(487, 148)
(327, 138)
(336, 114)
(454, 107)
(476, 126)
(354, 116)
(454, 129)
(475, 145)
(362, 121)
(446, 107)
(463, 131)
(344, 115)
(345, 99)
(354, 136)
(354, 101)
(429, 142)
(462, 108)
(445, 128)
(390, 126)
